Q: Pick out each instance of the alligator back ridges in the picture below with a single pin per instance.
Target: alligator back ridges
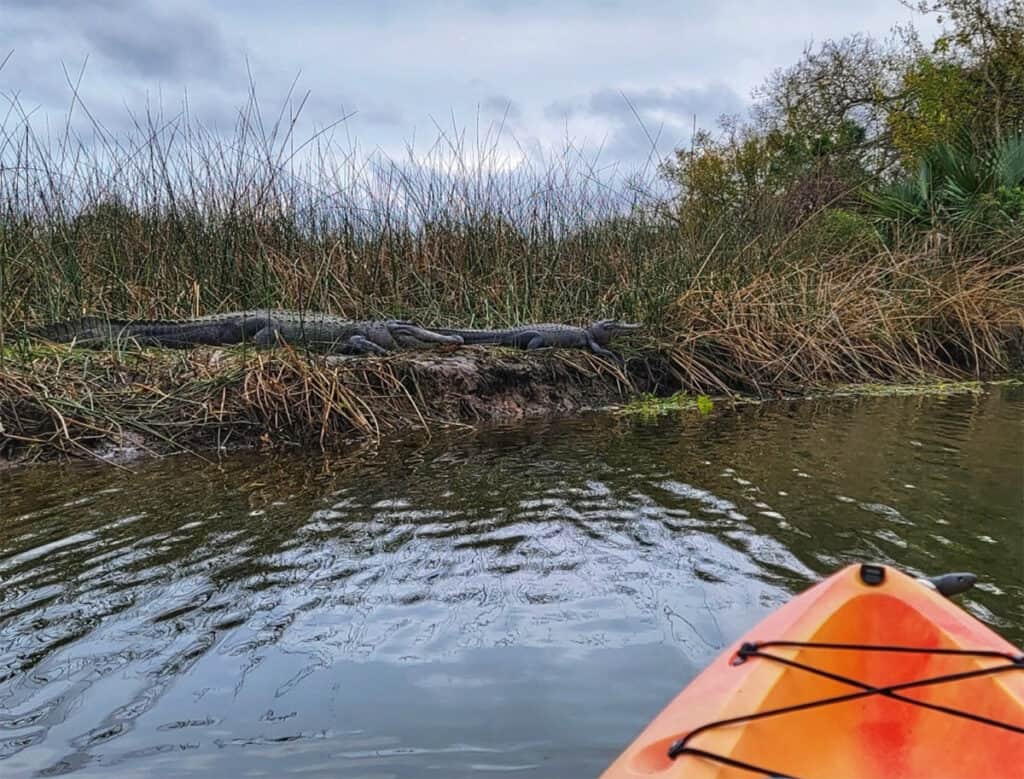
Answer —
(69, 329)
(594, 337)
(93, 328)
(262, 327)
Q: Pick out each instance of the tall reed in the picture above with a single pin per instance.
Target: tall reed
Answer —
(173, 218)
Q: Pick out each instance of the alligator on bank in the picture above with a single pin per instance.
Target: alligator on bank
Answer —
(595, 336)
(315, 330)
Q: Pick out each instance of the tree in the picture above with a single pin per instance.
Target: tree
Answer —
(853, 82)
(972, 80)
(906, 96)
(859, 110)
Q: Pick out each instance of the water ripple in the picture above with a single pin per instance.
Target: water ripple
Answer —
(204, 620)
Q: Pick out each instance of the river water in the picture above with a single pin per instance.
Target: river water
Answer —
(521, 600)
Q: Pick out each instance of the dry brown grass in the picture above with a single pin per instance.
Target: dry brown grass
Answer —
(894, 319)
(804, 325)
(174, 219)
(59, 401)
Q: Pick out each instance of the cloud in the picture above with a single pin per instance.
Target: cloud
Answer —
(381, 115)
(636, 124)
(139, 39)
(546, 71)
(150, 42)
(501, 106)
(681, 103)
(63, 5)
(126, 52)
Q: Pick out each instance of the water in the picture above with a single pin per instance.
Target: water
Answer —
(520, 601)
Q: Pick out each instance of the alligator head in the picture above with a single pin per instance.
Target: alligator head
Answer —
(604, 330)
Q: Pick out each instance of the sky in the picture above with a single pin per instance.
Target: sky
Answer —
(616, 79)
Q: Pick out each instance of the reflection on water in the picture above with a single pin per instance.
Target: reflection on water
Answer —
(522, 600)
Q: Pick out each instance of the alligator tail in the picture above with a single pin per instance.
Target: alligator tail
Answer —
(71, 329)
(474, 336)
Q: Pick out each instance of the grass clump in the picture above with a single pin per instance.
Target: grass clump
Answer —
(896, 319)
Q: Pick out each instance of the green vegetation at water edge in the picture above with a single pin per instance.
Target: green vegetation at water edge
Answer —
(649, 406)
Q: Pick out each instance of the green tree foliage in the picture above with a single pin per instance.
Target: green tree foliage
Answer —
(859, 112)
(970, 81)
(750, 182)
(854, 81)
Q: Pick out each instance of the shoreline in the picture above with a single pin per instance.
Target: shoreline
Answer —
(67, 403)
(61, 403)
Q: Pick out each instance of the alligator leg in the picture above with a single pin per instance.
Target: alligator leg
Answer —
(358, 344)
(410, 336)
(599, 350)
(267, 334)
(525, 339)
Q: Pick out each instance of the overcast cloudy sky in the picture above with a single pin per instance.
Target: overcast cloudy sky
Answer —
(551, 68)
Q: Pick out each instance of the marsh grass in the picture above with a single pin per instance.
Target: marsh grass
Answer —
(170, 218)
(894, 319)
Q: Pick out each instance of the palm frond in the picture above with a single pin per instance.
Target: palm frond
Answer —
(957, 183)
(1008, 165)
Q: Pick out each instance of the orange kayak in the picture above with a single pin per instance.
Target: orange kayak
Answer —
(868, 674)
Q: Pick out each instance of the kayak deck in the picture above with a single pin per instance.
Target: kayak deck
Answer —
(863, 734)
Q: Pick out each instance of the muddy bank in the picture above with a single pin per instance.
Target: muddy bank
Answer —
(60, 402)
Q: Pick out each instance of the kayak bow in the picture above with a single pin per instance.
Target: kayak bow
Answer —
(866, 674)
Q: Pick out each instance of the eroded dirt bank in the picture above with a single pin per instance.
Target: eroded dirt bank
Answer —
(59, 402)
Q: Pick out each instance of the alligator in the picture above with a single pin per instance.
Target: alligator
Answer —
(595, 336)
(266, 327)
